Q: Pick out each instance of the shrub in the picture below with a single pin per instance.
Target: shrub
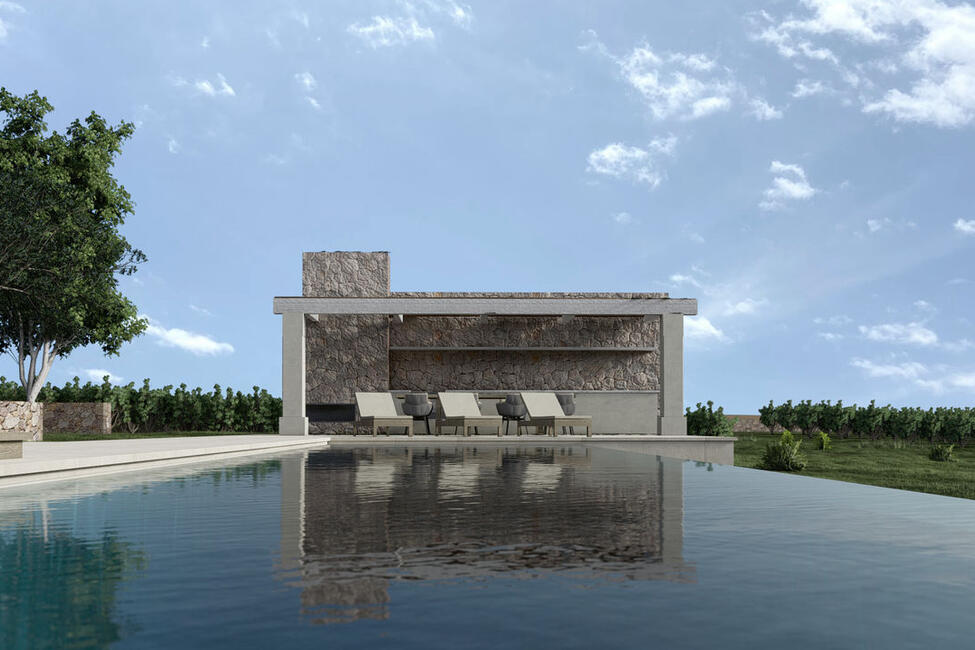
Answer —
(163, 409)
(941, 453)
(823, 441)
(708, 421)
(783, 456)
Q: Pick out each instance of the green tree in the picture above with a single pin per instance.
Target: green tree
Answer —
(60, 248)
(766, 415)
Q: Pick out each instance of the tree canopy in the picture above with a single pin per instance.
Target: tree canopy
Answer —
(61, 252)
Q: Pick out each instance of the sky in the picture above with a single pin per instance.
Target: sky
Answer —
(801, 168)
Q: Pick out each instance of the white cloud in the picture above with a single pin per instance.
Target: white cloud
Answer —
(699, 328)
(208, 88)
(762, 110)
(954, 282)
(679, 278)
(386, 31)
(933, 41)
(173, 146)
(460, 15)
(201, 310)
(623, 218)
(830, 336)
(306, 80)
(198, 344)
(807, 88)
(792, 185)
(672, 84)
(746, 306)
(302, 18)
(9, 7)
(966, 227)
(695, 237)
(98, 375)
(906, 370)
(205, 43)
(275, 159)
(900, 333)
(925, 306)
(313, 103)
(833, 321)
(876, 224)
(958, 346)
(638, 165)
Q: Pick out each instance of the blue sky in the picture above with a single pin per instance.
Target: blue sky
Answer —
(803, 169)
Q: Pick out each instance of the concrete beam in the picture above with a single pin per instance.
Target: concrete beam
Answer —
(479, 306)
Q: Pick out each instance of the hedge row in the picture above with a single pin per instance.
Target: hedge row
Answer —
(165, 409)
(956, 425)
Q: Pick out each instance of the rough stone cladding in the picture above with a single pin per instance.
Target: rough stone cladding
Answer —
(344, 354)
(78, 417)
(524, 331)
(525, 369)
(23, 418)
(528, 294)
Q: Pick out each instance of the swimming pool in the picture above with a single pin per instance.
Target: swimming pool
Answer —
(483, 547)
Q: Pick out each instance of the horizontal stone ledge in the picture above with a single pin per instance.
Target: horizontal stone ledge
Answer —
(407, 348)
(487, 306)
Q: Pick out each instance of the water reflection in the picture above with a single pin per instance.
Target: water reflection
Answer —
(354, 521)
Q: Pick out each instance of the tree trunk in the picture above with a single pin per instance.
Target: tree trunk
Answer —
(32, 378)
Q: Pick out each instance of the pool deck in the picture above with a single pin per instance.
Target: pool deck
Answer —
(49, 461)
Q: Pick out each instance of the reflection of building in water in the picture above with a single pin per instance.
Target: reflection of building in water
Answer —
(354, 519)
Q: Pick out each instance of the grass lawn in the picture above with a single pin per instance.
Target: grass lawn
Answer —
(881, 462)
(123, 435)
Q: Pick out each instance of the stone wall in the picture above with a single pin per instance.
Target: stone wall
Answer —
(344, 354)
(78, 417)
(513, 331)
(24, 418)
(750, 424)
(525, 369)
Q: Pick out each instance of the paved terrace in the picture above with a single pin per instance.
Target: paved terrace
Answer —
(49, 461)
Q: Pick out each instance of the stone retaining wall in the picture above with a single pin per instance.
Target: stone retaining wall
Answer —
(750, 424)
(78, 417)
(24, 418)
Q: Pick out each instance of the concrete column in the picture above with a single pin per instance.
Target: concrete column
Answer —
(293, 421)
(672, 421)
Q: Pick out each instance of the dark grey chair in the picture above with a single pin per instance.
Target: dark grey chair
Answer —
(419, 406)
(512, 409)
(568, 403)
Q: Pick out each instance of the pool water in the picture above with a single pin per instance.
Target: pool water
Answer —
(481, 547)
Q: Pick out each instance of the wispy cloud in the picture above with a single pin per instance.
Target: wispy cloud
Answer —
(10, 8)
(201, 310)
(900, 333)
(630, 162)
(790, 185)
(205, 86)
(904, 370)
(387, 31)
(761, 110)
(314, 103)
(306, 80)
(932, 39)
(965, 227)
(198, 344)
(808, 88)
(623, 218)
(745, 306)
(672, 84)
(173, 146)
(700, 329)
(98, 375)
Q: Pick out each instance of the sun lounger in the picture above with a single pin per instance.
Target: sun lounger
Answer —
(378, 410)
(461, 410)
(546, 413)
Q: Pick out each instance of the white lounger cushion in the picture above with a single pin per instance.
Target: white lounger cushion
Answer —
(459, 405)
(543, 405)
(375, 405)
